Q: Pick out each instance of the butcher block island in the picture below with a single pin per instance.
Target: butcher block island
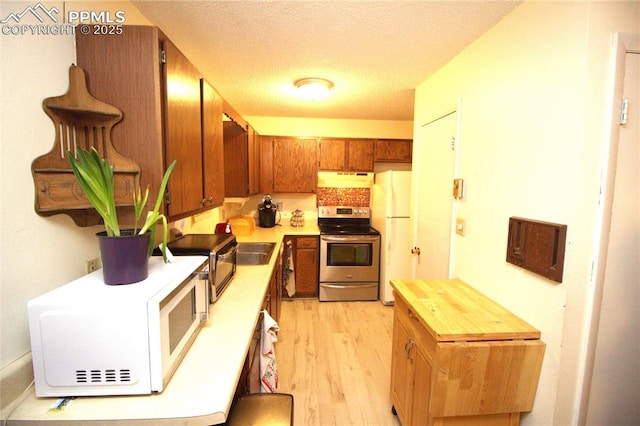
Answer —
(459, 358)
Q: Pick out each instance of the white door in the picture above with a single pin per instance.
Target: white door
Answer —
(615, 386)
(434, 167)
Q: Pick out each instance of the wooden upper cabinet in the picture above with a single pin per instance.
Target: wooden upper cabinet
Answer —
(266, 164)
(241, 160)
(393, 150)
(360, 155)
(346, 155)
(159, 93)
(254, 161)
(183, 132)
(132, 81)
(333, 154)
(212, 146)
(294, 164)
(236, 160)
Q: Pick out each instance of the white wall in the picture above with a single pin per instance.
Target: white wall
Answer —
(321, 127)
(532, 123)
(37, 253)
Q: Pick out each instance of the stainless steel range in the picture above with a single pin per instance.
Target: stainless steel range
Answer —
(349, 254)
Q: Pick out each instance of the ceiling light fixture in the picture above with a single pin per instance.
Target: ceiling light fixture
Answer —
(313, 88)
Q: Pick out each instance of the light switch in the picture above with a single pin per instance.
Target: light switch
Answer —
(460, 226)
(458, 188)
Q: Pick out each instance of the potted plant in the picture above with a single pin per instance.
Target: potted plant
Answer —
(124, 253)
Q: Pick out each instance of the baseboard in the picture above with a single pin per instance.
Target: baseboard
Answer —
(15, 378)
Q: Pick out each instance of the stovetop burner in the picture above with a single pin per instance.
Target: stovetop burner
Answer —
(342, 220)
(347, 230)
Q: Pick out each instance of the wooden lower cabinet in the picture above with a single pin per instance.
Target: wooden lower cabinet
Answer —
(470, 363)
(273, 299)
(411, 371)
(306, 262)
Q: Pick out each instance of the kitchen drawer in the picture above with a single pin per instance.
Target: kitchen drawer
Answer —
(307, 242)
(420, 333)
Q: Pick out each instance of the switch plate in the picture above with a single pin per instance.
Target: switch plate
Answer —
(461, 226)
(458, 188)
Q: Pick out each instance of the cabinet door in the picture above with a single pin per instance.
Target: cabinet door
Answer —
(360, 155)
(421, 389)
(236, 160)
(332, 154)
(131, 81)
(294, 165)
(272, 296)
(266, 164)
(393, 150)
(401, 373)
(183, 134)
(212, 147)
(305, 258)
(254, 161)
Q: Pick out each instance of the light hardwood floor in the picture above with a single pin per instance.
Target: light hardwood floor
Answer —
(335, 358)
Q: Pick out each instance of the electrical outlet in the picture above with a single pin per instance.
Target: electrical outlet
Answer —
(92, 265)
(280, 206)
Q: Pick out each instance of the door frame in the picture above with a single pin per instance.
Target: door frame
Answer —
(453, 107)
(622, 43)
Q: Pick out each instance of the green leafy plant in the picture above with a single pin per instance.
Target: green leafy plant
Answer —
(95, 176)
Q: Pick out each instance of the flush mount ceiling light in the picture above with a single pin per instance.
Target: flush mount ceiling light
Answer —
(313, 88)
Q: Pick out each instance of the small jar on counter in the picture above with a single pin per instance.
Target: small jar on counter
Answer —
(297, 218)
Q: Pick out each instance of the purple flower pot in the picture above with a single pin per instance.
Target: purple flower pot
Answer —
(125, 259)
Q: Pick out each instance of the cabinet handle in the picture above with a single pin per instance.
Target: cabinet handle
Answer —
(408, 347)
(411, 315)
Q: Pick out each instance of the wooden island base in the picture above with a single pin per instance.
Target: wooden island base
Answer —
(459, 358)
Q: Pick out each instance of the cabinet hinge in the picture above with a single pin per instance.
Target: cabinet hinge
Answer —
(163, 56)
(624, 111)
(167, 197)
(453, 143)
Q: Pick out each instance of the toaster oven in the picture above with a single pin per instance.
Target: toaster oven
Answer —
(221, 250)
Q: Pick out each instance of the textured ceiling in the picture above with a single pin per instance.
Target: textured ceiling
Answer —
(375, 52)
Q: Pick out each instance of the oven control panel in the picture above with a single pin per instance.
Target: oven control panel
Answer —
(344, 212)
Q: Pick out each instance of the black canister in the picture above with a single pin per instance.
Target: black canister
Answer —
(267, 213)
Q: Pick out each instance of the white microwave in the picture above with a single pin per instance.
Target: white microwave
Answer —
(89, 338)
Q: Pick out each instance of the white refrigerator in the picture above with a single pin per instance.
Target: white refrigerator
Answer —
(390, 214)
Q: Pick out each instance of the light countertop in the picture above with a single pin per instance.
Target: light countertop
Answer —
(452, 310)
(202, 388)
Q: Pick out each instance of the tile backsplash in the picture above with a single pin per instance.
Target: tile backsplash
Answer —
(355, 197)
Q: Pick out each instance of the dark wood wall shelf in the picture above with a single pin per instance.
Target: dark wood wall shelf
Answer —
(537, 246)
(80, 121)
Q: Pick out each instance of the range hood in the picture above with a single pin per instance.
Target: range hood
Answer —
(345, 180)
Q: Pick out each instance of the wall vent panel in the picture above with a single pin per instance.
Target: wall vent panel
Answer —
(537, 246)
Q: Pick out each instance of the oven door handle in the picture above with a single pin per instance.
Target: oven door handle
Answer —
(350, 238)
(348, 286)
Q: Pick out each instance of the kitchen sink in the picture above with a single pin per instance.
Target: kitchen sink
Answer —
(254, 253)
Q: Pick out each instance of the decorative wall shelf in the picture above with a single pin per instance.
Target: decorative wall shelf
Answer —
(80, 121)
